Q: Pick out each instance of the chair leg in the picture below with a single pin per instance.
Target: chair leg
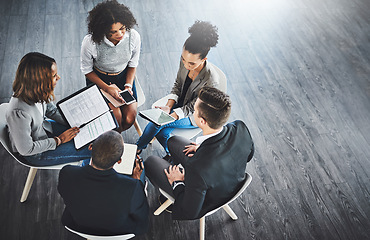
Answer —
(29, 181)
(202, 228)
(161, 208)
(137, 127)
(230, 212)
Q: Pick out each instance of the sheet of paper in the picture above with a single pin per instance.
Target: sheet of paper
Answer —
(128, 160)
(92, 130)
(84, 107)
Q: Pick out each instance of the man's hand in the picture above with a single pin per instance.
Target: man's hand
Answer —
(139, 166)
(190, 149)
(174, 174)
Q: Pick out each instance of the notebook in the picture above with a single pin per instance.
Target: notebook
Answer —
(128, 160)
(87, 110)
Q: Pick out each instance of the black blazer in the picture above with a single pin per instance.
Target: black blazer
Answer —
(102, 202)
(215, 173)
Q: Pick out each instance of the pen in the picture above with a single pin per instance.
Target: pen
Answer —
(84, 124)
(140, 161)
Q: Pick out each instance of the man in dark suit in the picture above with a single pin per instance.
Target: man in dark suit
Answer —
(212, 169)
(99, 200)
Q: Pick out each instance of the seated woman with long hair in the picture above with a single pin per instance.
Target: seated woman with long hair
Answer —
(194, 73)
(40, 141)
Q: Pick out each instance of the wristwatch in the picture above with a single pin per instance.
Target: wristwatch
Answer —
(128, 85)
(174, 183)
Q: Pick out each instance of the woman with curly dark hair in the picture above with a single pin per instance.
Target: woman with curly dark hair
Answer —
(194, 73)
(110, 54)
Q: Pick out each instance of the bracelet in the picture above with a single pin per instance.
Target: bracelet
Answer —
(58, 141)
(128, 85)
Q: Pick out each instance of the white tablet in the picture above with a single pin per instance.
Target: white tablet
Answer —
(157, 116)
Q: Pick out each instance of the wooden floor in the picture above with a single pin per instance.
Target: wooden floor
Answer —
(298, 74)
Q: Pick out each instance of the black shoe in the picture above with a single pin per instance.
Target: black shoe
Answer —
(168, 158)
(139, 151)
(161, 200)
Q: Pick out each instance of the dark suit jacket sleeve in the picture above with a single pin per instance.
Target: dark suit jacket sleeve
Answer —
(189, 198)
(139, 211)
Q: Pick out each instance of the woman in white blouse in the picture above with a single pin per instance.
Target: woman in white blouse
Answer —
(110, 54)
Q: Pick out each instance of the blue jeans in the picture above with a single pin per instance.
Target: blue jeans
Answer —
(162, 133)
(64, 153)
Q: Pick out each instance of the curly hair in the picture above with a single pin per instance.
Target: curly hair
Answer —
(104, 15)
(33, 80)
(203, 36)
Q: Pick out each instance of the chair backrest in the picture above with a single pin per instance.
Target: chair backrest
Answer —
(140, 93)
(4, 137)
(3, 130)
(5, 141)
(92, 237)
(247, 181)
(223, 79)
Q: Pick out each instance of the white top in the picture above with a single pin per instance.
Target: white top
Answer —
(89, 50)
(201, 139)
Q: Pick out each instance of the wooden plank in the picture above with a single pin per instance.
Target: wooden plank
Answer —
(70, 24)
(14, 47)
(34, 41)
(19, 7)
(53, 38)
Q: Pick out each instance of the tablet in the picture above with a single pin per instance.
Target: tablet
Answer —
(157, 116)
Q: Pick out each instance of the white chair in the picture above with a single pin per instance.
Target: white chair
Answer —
(92, 237)
(4, 139)
(192, 132)
(170, 200)
(140, 101)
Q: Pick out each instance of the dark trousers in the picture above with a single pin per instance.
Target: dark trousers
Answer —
(154, 166)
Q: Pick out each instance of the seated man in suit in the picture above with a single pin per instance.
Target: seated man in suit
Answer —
(213, 167)
(100, 201)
